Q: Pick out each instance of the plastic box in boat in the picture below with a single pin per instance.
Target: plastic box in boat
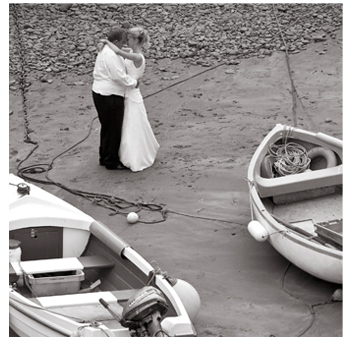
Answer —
(51, 284)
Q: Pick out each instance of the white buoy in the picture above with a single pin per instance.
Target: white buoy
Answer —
(132, 217)
(337, 295)
(258, 232)
(189, 296)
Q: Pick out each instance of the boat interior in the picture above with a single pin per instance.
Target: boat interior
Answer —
(73, 285)
(311, 202)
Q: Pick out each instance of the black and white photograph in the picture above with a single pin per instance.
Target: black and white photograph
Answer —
(176, 169)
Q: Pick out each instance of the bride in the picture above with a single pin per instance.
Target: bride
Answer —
(138, 147)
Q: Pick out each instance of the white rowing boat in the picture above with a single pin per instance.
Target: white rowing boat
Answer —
(299, 213)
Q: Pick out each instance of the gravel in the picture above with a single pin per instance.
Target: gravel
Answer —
(58, 39)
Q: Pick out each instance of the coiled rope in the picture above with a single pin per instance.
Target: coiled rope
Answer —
(290, 157)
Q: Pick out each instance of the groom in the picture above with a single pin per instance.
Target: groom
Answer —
(109, 85)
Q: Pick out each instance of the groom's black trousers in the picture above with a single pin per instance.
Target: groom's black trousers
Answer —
(110, 111)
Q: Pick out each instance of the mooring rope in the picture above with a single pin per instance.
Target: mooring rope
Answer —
(311, 307)
(295, 97)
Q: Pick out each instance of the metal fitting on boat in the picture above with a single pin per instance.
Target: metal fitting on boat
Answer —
(23, 188)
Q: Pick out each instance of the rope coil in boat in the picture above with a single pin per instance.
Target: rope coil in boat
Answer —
(290, 157)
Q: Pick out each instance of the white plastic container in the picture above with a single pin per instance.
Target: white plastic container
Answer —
(15, 251)
(56, 283)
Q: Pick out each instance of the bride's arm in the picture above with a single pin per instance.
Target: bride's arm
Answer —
(136, 57)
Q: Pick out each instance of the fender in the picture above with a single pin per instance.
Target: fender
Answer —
(328, 154)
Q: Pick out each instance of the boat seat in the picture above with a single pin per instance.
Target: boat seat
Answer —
(40, 266)
(86, 306)
(299, 182)
(90, 298)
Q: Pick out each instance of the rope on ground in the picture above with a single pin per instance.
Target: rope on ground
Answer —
(295, 97)
(310, 306)
(113, 203)
(201, 217)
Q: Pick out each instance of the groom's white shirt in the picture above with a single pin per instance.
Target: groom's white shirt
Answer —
(109, 74)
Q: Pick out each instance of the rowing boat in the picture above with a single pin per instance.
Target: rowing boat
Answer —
(295, 186)
(69, 275)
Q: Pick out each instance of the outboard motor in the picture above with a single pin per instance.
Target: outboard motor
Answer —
(143, 313)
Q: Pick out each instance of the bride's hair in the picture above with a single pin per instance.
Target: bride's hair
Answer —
(140, 34)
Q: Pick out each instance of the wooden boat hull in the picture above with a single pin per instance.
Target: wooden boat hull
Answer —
(86, 246)
(319, 260)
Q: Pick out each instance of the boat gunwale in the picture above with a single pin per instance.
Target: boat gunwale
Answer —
(30, 313)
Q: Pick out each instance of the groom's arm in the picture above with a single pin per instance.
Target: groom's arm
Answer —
(116, 71)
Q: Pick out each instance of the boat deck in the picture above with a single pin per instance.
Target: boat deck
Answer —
(306, 214)
(319, 209)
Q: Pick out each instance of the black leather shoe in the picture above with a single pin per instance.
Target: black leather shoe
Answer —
(118, 167)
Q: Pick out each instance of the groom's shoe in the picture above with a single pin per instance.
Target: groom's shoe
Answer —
(120, 166)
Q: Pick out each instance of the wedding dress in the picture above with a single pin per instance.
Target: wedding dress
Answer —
(138, 147)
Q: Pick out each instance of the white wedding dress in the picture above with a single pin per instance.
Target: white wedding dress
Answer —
(138, 147)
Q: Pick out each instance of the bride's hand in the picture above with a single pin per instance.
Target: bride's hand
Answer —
(101, 44)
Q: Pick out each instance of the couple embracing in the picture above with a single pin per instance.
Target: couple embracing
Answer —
(126, 137)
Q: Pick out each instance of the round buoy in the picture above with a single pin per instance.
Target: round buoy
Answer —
(327, 154)
(337, 295)
(132, 217)
(189, 297)
(258, 232)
